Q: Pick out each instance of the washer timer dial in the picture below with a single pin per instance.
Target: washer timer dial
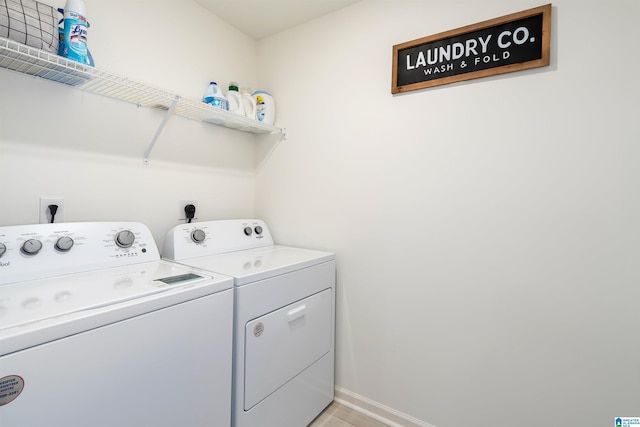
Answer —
(31, 246)
(198, 235)
(125, 238)
(64, 244)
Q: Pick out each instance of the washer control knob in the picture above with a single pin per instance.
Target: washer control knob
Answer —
(3, 249)
(258, 229)
(248, 231)
(198, 235)
(125, 238)
(31, 246)
(64, 243)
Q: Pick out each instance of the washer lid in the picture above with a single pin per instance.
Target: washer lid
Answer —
(261, 263)
(30, 303)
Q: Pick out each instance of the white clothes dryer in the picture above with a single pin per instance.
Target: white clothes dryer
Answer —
(96, 330)
(284, 318)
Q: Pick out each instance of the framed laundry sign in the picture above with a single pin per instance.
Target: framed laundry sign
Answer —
(502, 45)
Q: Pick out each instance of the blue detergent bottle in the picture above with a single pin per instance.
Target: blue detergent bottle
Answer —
(73, 34)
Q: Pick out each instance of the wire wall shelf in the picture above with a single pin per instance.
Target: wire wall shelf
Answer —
(24, 59)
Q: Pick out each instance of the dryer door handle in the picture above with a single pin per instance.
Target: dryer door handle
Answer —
(296, 313)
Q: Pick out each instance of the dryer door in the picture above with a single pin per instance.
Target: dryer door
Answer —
(285, 342)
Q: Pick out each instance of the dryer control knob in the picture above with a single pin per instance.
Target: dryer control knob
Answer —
(258, 229)
(64, 244)
(31, 246)
(3, 249)
(248, 231)
(125, 239)
(198, 235)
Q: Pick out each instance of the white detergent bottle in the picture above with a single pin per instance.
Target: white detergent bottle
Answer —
(248, 103)
(235, 99)
(265, 107)
(213, 95)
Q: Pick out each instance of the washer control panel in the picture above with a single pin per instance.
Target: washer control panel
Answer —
(36, 251)
(215, 237)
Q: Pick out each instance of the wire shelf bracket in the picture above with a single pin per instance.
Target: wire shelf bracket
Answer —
(165, 119)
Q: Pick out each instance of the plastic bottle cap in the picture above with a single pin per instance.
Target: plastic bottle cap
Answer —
(76, 6)
(213, 83)
(233, 86)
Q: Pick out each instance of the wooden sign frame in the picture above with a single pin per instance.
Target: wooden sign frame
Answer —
(514, 42)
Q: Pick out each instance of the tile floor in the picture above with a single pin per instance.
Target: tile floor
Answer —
(337, 415)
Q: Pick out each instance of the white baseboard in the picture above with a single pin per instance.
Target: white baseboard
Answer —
(375, 410)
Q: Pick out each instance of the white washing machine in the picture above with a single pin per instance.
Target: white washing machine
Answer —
(96, 330)
(283, 320)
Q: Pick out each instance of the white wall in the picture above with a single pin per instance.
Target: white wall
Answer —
(487, 232)
(88, 149)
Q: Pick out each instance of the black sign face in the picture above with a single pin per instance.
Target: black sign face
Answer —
(511, 43)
